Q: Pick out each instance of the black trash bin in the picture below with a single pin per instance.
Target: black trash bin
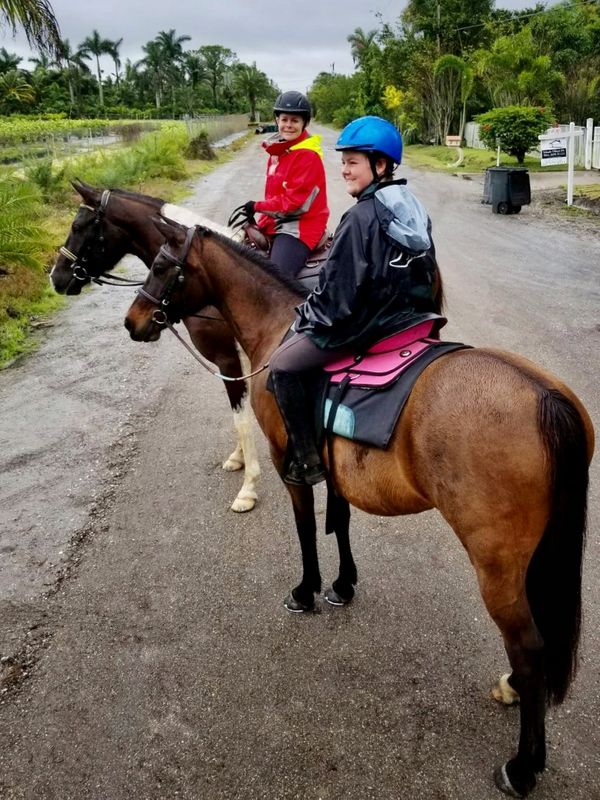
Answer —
(507, 189)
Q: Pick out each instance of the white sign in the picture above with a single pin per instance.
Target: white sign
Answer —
(553, 152)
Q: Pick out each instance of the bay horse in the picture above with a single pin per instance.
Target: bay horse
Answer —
(497, 444)
(112, 223)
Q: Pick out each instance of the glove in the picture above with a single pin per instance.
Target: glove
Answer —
(242, 215)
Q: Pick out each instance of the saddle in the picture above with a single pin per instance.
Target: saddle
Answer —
(309, 274)
(363, 396)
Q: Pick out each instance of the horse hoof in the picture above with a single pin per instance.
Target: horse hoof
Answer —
(504, 693)
(295, 606)
(506, 786)
(242, 504)
(232, 464)
(335, 599)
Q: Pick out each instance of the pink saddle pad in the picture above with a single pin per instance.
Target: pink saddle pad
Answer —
(386, 359)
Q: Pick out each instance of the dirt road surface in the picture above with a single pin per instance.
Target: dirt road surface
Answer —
(146, 651)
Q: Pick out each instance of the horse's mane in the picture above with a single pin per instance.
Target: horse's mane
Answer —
(145, 198)
(262, 262)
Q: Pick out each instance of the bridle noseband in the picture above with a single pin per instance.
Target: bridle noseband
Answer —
(78, 261)
(160, 316)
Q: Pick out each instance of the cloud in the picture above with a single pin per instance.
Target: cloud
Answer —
(290, 40)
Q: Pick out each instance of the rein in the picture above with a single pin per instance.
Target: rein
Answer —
(159, 316)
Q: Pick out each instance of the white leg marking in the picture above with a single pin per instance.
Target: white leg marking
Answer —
(504, 693)
(246, 498)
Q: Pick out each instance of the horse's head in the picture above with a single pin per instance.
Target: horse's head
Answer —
(173, 289)
(94, 244)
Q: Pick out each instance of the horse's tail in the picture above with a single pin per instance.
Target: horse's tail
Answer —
(554, 573)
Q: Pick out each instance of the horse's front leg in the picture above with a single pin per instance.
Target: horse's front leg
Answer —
(244, 455)
(302, 597)
(338, 518)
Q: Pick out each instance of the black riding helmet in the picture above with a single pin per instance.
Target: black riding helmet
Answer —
(293, 103)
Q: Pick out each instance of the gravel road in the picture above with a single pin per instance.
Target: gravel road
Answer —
(146, 652)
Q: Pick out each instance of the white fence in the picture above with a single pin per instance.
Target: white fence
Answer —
(472, 140)
(596, 149)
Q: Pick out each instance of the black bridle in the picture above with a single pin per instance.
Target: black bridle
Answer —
(96, 243)
(160, 315)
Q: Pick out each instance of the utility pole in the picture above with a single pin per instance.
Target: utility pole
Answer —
(438, 26)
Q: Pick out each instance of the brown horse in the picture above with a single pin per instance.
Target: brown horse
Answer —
(111, 224)
(498, 445)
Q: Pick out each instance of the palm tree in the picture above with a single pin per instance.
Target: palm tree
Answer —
(71, 62)
(37, 19)
(42, 62)
(459, 78)
(217, 60)
(360, 44)
(154, 61)
(193, 67)
(113, 52)
(253, 84)
(8, 61)
(14, 91)
(170, 44)
(96, 46)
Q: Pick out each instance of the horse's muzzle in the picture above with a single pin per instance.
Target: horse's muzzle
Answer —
(148, 331)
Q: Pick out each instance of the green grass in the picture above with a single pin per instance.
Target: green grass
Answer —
(590, 192)
(32, 228)
(441, 158)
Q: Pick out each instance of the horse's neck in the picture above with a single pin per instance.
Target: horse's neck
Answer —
(133, 217)
(258, 307)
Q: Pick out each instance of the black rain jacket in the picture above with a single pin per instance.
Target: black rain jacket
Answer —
(379, 274)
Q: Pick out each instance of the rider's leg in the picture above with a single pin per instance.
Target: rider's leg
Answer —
(291, 364)
(289, 253)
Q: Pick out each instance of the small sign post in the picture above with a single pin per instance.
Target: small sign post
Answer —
(557, 149)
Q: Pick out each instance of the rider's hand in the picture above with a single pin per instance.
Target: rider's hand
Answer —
(242, 215)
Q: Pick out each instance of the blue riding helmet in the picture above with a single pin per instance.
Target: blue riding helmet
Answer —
(372, 134)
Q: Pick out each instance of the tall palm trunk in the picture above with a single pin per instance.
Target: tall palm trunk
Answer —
(100, 92)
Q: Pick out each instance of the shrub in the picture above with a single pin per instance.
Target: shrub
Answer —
(514, 128)
(199, 147)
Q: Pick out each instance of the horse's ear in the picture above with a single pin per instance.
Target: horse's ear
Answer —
(171, 230)
(85, 191)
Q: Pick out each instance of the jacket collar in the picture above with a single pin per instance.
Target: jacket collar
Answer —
(374, 187)
(281, 146)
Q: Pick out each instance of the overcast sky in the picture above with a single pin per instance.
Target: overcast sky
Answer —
(290, 41)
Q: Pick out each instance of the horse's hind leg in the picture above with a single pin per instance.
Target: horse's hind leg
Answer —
(338, 513)
(502, 585)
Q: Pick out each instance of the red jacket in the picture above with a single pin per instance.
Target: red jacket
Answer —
(295, 190)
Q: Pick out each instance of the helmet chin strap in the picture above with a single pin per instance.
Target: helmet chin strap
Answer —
(373, 162)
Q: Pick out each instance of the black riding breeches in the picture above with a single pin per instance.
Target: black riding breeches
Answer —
(289, 253)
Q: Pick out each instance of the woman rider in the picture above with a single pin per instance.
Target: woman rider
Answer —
(294, 211)
(378, 278)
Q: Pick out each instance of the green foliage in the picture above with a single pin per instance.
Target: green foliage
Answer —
(515, 128)
(157, 154)
(333, 97)
(23, 238)
(49, 179)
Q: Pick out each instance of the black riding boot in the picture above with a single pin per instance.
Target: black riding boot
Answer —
(304, 464)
